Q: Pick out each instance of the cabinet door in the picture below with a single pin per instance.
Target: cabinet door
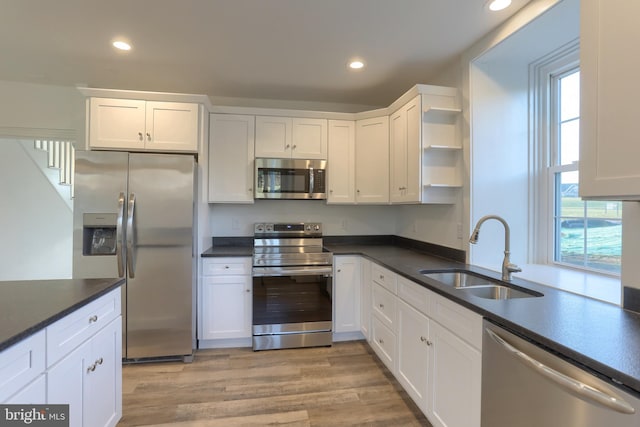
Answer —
(609, 149)
(365, 298)
(65, 382)
(231, 140)
(372, 160)
(226, 307)
(413, 353)
(454, 373)
(102, 383)
(398, 153)
(346, 294)
(341, 162)
(273, 137)
(89, 379)
(309, 138)
(171, 126)
(117, 124)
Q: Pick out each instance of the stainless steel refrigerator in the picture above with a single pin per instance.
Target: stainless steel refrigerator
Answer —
(133, 218)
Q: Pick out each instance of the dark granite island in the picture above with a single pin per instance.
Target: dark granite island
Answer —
(61, 343)
(31, 305)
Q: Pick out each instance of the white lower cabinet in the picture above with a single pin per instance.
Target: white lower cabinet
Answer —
(226, 298)
(383, 342)
(365, 298)
(431, 345)
(455, 372)
(84, 379)
(413, 353)
(346, 294)
(77, 360)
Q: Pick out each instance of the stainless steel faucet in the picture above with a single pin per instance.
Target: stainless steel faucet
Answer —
(507, 266)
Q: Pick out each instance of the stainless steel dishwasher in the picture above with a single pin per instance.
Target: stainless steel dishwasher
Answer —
(524, 385)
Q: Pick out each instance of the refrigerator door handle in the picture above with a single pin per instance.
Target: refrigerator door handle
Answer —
(119, 234)
(130, 235)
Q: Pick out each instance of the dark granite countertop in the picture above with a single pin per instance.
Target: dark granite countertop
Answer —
(601, 337)
(28, 306)
(227, 251)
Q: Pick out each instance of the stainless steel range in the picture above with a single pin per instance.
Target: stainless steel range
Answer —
(292, 280)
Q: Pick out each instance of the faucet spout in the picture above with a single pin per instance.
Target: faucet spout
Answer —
(507, 266)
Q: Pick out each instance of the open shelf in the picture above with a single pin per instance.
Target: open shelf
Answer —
(442, 147)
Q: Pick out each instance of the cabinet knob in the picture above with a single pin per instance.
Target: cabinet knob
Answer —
(381, 305)
(91, 368)
(381, 341)
(226, 267)
(339, 270)
(286, 147)
(426, 341)
(148, 136)
(93, 319)
(140, 135)
(250, 190)
(294, 147)
(331, 191)
(381, 277)
(357, 191)
(99, 361)
(247, 290)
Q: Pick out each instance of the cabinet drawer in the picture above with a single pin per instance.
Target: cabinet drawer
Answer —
(71, 331)
(414, 294)
(384, 277)
(384, 343)
(462, 322)
(383, 304)
(226, 266)
(21, 363)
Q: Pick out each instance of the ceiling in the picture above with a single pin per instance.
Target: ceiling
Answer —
(293, 50)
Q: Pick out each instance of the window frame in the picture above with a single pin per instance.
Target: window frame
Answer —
(545, 155)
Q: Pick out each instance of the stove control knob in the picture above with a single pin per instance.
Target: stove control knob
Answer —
(316, 227)
(259, 228)
(269, 228)
(308, 227)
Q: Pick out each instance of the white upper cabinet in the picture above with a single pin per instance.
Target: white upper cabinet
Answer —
(137, 125)
(609, 148)
(372, 160)
(341, 174)
(231, 142)
(405, 141)
(286, 137)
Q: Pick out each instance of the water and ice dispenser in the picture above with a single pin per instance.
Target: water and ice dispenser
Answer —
(99, 234)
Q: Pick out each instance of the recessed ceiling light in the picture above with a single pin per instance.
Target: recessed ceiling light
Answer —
(496, 5)
(356, 64)
(122, 45)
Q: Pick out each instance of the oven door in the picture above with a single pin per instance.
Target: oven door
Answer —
(292, 308)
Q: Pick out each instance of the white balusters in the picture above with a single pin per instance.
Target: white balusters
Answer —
(60, 155)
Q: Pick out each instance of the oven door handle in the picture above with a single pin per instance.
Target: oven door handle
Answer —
(292, 271)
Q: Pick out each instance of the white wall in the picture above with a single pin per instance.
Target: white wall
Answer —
(237, 220)
(35, 223)
(36, 227)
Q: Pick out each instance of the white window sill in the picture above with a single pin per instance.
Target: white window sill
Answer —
(591, 285)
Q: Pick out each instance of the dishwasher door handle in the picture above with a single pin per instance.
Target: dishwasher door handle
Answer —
(569, 384)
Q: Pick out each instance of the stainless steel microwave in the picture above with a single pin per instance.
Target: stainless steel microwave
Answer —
(290, 179)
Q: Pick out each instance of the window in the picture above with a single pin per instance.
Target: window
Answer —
(580, 234)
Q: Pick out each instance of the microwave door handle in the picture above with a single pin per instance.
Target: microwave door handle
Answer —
(120, 235)
(311, 181)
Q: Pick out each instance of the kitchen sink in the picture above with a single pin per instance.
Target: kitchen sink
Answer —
(478, 285)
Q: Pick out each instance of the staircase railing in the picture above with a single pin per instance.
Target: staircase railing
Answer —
(60, 155)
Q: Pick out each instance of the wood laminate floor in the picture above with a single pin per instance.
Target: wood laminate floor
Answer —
(343, 385)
